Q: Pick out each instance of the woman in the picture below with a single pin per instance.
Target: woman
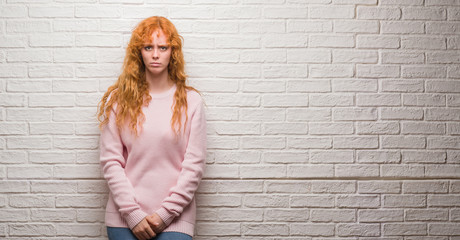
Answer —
(153, 139)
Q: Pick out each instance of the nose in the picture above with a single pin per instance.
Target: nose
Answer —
(155, 53)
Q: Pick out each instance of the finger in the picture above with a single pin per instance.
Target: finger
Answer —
(139, 236)
(150, 232)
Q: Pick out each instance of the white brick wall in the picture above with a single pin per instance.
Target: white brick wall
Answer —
(328, 119)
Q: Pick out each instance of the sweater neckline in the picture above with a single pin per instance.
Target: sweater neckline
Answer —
(165, 93)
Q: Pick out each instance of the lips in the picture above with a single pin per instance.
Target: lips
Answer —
(155, 64)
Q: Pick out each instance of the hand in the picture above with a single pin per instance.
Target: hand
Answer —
(156, 223)
(143, 231)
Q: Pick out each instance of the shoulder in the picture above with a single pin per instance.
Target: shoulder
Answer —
(194, 98)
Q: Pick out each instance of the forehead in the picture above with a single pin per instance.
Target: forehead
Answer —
(158, 37)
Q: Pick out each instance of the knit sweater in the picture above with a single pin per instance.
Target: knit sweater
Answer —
(154, 173)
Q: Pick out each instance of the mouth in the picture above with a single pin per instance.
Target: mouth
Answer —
(155, 64)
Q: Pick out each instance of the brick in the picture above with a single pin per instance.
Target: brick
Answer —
(8, 186)
(424, 13)
(15, 157)
(32, 230)
(403, 142)
(311, 201)
(285, 100)
(81, 230)
(32, 201)
(427, 215)
(284, 128)
(287, 186)
(326, 71)
(261, 229)
(423, 42)
(442, 27)
(423, 157)
(51, 12)
(398, 27)
(377, 42)
(355, 142)
(357, 170)
(233, 156)
(314, 114)
(425, 186)
(91, 215)
(29, 26)
(76, 201)
(344, 41)
(50, 215)
(261, 171)
(442, 142)
(268, 56)
(442, 86)
(310, 171)
(257, 201)
(354, 56)
(362, 230)
(406, 201)
(342, 12)
(236, 12)
(306, 56)
(357, 201)
(218, 229)
(265, 26)
(405, 170)
(428, 100)
(31, 171)
(14, 215)
(405, 57)
(450, 229)
(263, 86)
(309, 25)
(228, 128)
(401, 113)
(283, 12)
(312, 229)
(332, 215)
(240, 215)
(381, 215)
(333, 186)
(404, 229)
(380, 13)
(369, 85)
(423, 128)
(221, 171)
(291, 70)
(308, 86)
(377, 128)
(353, 26)
(377, 71)
(309, 142)
(286, 215)
(221, 200)
(355, 113)
(451, 200)
(263, 142)
(379, 187)
(342, 156)
(444, 171)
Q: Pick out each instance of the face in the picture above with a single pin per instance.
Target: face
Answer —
(156, 54)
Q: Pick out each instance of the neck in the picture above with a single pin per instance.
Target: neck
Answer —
(158, 83)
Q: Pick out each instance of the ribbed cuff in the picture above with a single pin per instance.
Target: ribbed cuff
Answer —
(135, 217)
(166, 216)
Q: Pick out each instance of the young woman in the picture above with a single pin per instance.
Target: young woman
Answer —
(153, 139)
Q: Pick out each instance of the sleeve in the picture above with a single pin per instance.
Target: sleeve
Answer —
(113, 163)
(193, 165)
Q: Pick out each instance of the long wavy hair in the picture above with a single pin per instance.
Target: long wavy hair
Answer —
(131, 90)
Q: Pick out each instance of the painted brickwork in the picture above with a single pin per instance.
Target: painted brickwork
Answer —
(327, 119)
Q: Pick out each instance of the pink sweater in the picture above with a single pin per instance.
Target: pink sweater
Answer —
(153, 173)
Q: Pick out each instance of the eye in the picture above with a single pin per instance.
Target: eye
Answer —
(163, 48)
(148, 48)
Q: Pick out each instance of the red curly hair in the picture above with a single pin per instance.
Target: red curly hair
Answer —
(131, 91)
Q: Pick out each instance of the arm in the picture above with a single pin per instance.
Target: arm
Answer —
(192, 169)
(113, 163)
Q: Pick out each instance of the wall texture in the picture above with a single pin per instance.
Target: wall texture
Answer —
(328, 119)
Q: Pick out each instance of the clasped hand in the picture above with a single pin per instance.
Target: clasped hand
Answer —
(149, 227)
